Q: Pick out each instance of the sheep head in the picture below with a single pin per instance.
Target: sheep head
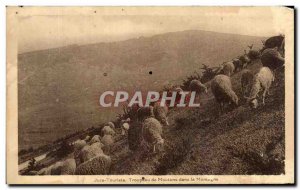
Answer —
(252, 102)
(159, 145)
(164, 121)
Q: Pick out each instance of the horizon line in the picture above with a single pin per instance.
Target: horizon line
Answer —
(137, 37)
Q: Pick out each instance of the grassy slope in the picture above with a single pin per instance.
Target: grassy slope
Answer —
(241, 141)
(59, 88)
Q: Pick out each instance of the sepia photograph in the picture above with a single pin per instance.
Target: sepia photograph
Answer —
(150, 95)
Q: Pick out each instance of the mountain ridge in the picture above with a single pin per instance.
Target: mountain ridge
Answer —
(129, 39)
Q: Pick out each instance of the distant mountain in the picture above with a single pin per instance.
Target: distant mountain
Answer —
(59, 88)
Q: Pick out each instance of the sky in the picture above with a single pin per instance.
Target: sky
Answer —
(45, 31)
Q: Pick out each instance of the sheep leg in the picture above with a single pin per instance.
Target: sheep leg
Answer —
(221, 108)
(273, 79)
(268, 88)
(243, 92)
(247, 90)
(198, 98)
(264, 95)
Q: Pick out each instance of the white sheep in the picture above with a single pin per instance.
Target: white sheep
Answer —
(68, 167)
(107, 130)
(178, 89)
(222, 89)
(99, 165)
(197, 86)
(179, 94)
(78, 145)
(160, 113)
(253, 54)
(228, 68)
(125, 127)
(107, 140)
(246, 81)
(262, 81)
(96, 138)
(55, 169)
(151, 132)
(245, 59)
(87, 138)
(88, 152)
(45, 171)
(238, 64)
(112, 125)
(271, 58)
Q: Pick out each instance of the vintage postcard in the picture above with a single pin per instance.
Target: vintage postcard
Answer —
(150, 95)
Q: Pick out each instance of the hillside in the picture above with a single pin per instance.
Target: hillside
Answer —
(204, 141)
(59, 88)
(201, 142)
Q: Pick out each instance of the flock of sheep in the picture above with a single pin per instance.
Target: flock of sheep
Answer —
(251, 85)
(90, 155)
